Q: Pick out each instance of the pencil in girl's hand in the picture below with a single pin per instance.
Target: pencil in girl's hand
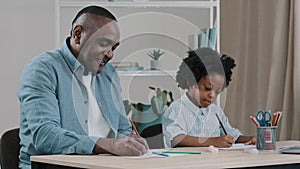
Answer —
(133, 127)
(221, 124)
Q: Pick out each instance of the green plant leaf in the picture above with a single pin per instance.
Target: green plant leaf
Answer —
(155, 54)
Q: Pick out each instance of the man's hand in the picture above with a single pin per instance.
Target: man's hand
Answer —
(125, 146)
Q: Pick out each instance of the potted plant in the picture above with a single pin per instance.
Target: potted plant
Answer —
(145, 115)
(155, 54)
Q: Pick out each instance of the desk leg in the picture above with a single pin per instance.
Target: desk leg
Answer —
(35, 165)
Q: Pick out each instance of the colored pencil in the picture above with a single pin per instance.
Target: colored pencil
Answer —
(133, 127)
(278, 118)
(254, 121)
(182, 152)
(161, 154)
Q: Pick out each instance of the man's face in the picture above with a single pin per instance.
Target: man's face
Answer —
(98, 46)
(208, 89)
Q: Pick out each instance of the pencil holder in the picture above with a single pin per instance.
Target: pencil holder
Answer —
(266, 138)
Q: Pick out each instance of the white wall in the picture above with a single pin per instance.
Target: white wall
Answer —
(27, 29)
(142, 29)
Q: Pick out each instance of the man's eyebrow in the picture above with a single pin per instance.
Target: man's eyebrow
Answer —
(117, 44)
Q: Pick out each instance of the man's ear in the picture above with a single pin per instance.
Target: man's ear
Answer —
(77, 33)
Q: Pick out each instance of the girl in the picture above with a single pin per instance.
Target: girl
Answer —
(192, 120)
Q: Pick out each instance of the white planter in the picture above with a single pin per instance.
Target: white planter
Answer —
(155, 64)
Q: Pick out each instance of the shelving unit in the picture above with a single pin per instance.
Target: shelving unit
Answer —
(146, 73)
(144, 26)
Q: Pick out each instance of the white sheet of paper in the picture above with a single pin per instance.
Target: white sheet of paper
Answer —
(238, 146)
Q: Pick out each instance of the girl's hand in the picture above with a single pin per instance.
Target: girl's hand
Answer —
(251, 141)
(223, 141)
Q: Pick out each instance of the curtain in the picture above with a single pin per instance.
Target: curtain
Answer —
(261, 35)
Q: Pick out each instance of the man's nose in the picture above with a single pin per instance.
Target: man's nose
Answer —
(109, 53)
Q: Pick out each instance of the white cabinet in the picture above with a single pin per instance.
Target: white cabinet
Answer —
(146, 25)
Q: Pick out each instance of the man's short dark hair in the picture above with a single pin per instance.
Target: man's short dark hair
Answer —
(96, 10)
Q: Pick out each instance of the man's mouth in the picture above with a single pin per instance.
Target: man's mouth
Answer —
(102, 63)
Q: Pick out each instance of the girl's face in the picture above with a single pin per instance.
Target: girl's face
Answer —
(207, 90)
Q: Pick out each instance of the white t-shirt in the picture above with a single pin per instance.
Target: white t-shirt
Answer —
(97, 125)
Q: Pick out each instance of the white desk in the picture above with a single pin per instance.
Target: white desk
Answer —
(223, 159)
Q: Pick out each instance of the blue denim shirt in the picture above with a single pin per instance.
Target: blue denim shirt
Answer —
(53, 105)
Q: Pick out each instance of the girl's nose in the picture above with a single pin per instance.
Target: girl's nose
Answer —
(212, 94)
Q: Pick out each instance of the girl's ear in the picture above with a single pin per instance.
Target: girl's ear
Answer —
(193, 88)
(77, 33)
(190, 84)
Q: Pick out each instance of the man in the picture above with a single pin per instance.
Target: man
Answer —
(70, 97)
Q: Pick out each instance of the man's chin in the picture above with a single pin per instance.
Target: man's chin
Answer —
(98, 71)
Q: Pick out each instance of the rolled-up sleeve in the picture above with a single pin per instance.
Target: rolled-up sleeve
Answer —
(173, 125)
(41, 115)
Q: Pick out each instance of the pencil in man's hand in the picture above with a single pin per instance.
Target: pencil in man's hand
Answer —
(133, 127)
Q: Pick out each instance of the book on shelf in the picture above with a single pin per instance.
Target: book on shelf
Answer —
(206, 38)
(125, 66)
(193, 41)
(212, 38)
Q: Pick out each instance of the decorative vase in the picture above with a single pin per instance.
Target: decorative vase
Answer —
(145, 117)
(155, 64)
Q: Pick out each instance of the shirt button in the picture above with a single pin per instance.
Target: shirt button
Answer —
(85, 102)
(86, 121)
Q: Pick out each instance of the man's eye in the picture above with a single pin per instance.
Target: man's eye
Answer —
(104, 43)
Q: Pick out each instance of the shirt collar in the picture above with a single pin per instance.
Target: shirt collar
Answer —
(71, 60)
(76, 67)
(190, 105)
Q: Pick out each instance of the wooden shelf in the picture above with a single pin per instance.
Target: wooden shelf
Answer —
(144, 4)
(146, 73)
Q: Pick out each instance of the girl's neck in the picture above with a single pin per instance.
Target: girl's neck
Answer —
(192, 100)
